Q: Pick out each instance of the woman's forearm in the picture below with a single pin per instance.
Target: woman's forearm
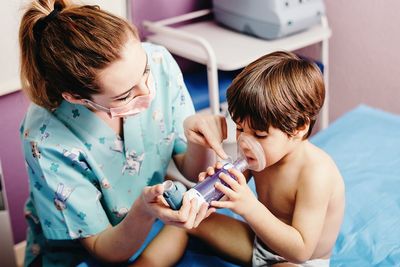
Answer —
(119, 243)
(196, 159)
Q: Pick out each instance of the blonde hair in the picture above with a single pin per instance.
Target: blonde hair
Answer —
(279, 90)
(63, 46)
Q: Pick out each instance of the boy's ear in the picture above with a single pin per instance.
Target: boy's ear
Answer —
(72, 99)
(301, 131)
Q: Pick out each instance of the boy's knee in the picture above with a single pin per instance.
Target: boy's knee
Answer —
(193, 231)
(145, 261)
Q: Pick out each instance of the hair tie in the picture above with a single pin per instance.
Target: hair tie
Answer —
(38, 29)
(43, 22)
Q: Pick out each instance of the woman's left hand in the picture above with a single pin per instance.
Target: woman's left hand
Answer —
(238, 197)
(208, 131)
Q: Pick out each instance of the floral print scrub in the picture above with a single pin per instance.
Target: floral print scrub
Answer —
(83, 176)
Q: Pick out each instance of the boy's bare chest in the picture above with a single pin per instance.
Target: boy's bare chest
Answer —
(278, 194)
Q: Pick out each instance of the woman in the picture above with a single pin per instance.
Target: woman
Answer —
(107, 116)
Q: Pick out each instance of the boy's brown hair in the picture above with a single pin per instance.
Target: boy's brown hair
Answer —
(63, 46)
(279, 90)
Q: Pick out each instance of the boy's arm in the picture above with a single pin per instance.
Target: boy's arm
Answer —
(298, 241)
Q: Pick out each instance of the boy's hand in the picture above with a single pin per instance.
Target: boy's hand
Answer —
(210, 171)
(207, 130)
(187, 217)
(239, 196)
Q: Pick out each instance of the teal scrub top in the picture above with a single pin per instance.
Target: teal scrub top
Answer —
(83, 176)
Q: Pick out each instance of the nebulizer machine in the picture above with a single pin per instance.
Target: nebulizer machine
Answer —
(268, 19)
(251, 156)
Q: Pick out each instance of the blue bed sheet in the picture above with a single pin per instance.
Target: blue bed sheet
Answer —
(365, 144)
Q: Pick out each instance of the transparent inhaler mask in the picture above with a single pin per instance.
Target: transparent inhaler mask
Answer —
(250, 151)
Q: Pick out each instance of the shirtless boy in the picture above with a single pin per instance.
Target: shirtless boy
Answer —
(299, 209)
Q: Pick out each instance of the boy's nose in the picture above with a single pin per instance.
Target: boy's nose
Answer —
(244, 147)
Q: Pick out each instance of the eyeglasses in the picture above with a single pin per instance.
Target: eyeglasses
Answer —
(129, 96)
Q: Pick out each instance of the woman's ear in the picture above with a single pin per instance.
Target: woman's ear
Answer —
(72, 99)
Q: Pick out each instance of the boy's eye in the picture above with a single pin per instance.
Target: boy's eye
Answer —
(260, 136)
(239, 129)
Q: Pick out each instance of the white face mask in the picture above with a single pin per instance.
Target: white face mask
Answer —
(133, 107)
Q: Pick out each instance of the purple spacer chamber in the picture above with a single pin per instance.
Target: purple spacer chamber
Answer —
(207, 187)
(248, 146)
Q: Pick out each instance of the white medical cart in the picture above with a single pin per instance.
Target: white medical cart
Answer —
(219, 48)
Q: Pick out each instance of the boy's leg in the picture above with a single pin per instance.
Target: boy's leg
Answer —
(286, 264)
(165, 249)
(230, 238)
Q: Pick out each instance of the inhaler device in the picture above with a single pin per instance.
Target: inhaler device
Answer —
(173, 193)
(251, 156)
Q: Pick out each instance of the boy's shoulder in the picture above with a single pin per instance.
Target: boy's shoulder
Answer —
(319, 168)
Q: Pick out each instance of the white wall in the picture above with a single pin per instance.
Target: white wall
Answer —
(117, 7)
(10, 16)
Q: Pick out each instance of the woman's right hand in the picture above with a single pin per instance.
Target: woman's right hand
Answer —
(208, 131)
(186, 217)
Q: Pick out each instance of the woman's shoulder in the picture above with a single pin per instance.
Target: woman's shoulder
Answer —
(154, 48)
(158, 55)
(35, 114)
(41, 125)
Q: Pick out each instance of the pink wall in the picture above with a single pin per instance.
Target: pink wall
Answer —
(364, 58)
(364, 54)
(154, 10)
(12, 110)
(160, 9)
